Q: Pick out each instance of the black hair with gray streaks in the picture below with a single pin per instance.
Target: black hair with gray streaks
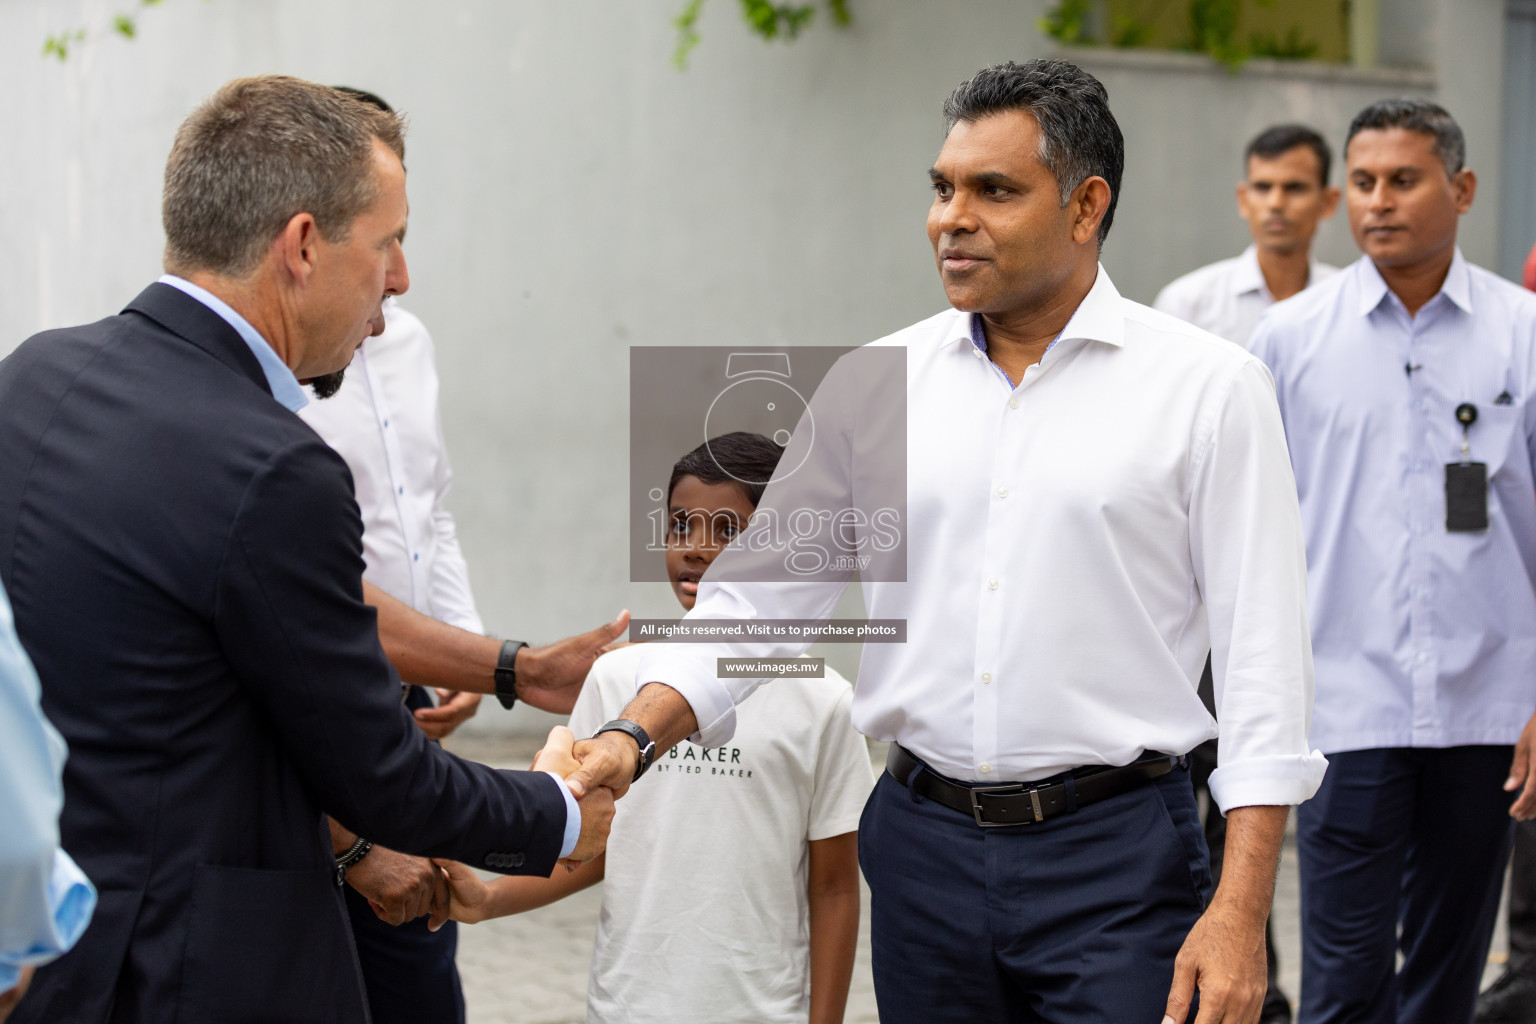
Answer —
(1079, 137)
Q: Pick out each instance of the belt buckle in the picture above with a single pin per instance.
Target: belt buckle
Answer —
(1013, 787)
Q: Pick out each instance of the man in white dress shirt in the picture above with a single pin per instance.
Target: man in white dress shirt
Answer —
(385, 423)
(1408, 387)
(1099, 495)
(1284, 196)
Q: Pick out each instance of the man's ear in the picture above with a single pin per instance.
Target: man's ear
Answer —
(1330, 202)
(1464, 188)
(1242, 200)
(296, 247)
(1090, 202)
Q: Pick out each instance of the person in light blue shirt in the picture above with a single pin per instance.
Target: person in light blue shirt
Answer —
(1407, 384)
(45, 900)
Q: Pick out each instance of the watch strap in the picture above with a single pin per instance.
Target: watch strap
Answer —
(506, 673)
(642, 739)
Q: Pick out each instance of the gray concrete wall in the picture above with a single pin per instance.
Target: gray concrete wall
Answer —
(573, 195)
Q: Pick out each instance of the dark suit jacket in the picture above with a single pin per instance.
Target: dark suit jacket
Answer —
(185, 556)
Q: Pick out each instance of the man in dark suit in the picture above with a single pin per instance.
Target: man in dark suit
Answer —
(184, 558)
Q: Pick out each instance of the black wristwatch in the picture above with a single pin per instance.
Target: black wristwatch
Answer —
(506, 673)
(639, 735)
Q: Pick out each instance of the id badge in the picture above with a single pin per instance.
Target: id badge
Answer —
(1466, 497)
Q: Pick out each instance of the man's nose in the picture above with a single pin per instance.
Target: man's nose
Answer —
(397, 277)
(957, 215)
(1381, 197)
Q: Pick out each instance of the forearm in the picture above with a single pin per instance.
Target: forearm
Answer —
(431, 653)
(518, 894)
(663, 713)
(832, 889)
(834, 938)
(1251, 862)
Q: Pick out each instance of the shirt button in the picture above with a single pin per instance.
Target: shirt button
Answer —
(985, 769)
(1013, 403)
(416, 557)
(986, 677)
(991, 584)
(386, 423)
(400, 490)
(975, 351)
(1002, 492)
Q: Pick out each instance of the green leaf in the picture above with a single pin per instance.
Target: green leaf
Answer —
(123, 25)
(686, 24)
(841, 16)
(1066, 21)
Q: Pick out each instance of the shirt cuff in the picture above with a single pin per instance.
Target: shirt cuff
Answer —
(693, 674)
(572, 817)
(1280, 781)
(71, 900)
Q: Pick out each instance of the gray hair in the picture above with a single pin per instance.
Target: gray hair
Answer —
(1415, 115)
(260, 151)
(1079, 137)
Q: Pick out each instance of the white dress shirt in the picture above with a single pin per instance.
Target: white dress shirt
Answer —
(1423, 638)
(1227, 297)
(1075, 547)
(384, 421)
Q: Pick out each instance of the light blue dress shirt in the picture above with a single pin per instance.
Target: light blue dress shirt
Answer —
(45, 900)
(1421, 637)
(290, 394)
(284, 385)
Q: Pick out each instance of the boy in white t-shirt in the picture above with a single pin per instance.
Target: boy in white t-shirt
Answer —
(731, 880)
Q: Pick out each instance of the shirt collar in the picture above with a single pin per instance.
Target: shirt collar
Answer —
(1099, 317)
(1247, 275)
(1457, 287)
(284, 385)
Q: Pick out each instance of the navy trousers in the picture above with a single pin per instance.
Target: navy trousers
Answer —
(1414, 839)
(409, 972)
(1073, 920)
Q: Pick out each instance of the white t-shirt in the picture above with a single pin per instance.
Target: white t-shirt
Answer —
(705, 917)
(1227, 297)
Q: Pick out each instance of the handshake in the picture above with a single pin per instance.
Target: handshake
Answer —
(401, 888)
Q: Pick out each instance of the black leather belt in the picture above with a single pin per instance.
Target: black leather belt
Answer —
(1025, 803)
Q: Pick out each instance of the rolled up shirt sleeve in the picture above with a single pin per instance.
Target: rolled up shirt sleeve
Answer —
(1250, 564)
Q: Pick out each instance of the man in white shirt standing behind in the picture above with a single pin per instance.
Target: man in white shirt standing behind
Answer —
(1097, 496)
(385, 424)
(1283, 197)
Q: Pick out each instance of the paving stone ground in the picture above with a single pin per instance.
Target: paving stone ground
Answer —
(532, 968)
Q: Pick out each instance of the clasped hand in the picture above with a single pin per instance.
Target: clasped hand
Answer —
(596, 801)
(401, 888)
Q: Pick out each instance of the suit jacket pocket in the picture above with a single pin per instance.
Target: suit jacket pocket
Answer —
(266, 947)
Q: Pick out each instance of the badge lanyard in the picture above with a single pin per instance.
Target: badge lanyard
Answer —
(1466, 482)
